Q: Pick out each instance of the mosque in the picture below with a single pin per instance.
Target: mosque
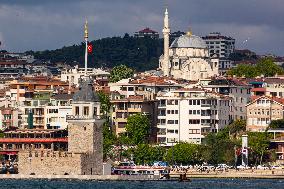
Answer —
(187, 57)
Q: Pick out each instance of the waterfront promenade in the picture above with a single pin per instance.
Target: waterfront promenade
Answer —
(256, 174)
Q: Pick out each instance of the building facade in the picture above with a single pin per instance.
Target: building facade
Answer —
(220, 45)
(261, 111)
(187, 115)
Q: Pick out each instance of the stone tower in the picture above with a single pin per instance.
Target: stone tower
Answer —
(166, 32)
(85, 126)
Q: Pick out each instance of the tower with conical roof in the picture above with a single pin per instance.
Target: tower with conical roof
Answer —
(85, 124)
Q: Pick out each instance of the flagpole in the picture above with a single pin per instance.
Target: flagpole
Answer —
(86, 46)
(86, 55)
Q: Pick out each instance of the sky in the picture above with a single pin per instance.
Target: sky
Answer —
(257, 25)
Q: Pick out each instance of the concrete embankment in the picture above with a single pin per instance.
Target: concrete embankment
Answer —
(174, 176)
(256, 174)
(82, 177)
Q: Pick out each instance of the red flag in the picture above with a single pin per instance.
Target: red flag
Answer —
(90, 48)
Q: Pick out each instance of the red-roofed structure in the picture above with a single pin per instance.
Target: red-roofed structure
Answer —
(147, 32)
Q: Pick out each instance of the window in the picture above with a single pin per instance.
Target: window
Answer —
(190, 111)
(194, 131)
(95, 111)
(130, 89)
(194, 121)
(86, 111)
(171, 121)
(77, 110)
(176, 111)
(190, 102)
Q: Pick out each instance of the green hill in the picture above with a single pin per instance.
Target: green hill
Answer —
(138, 53)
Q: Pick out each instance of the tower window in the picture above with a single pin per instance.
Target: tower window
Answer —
(77, 110)
(86, 111)
(95, 111)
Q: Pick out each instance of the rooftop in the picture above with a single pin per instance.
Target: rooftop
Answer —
(189, 41)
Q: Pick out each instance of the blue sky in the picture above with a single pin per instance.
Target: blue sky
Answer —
(49, 24)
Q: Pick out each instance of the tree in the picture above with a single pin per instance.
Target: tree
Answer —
(146, 154)
(108, 136)
(137, 128)
(244, 70)
(184, 153)
(265, 66)
(109, 139)
(105, 103)
(237, 127)
(276, 124)
(258, 143)
(268, 68)
(219, 147)
(120, 72)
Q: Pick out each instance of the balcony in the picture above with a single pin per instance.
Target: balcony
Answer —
(206, 125)
(162, 105)
(134, 109)
(161, 133)
(72, 117)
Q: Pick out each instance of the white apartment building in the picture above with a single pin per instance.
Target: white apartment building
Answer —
(189, 114)
(74, 75)
(220, 45)
(239, 92)
(47, 112)
(57, 110)
(148, 87)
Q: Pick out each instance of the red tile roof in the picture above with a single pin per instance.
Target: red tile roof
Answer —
(147, 30)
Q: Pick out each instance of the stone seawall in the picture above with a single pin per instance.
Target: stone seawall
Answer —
(141, 177)
(58, 163)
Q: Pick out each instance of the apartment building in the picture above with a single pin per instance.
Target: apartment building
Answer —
(189, 114)
(262, 110)
(57, 110)
(148, 87)
(219, 44)
(240, 93)
(9, 117)
(75, 74)
(123, 107)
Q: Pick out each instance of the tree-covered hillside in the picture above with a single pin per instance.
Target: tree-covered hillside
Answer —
(138, 53)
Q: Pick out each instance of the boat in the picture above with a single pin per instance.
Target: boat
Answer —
(129, 168)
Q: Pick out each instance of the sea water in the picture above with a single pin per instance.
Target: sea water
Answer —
(194, 184)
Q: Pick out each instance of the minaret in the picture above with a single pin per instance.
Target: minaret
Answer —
(166, 32)
(86, 48)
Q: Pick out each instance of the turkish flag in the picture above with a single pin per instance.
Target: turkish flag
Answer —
(90, 48)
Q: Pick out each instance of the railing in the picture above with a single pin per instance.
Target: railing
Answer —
(72, 117)
(162, 105)
(161, 133)
(32, 140)
(205, 105)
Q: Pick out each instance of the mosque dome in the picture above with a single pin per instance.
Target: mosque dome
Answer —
(189, 41)
(86, 93)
